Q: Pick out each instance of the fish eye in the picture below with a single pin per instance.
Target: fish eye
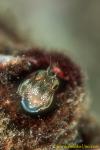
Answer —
(40, 75)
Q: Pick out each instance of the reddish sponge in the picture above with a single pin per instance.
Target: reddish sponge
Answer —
(60, 125)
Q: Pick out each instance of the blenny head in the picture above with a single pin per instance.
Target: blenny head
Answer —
(37, 92)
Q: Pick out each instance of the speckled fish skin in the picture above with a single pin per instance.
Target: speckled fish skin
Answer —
(37, 92)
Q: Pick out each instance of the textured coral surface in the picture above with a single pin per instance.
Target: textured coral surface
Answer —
(64, 124)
